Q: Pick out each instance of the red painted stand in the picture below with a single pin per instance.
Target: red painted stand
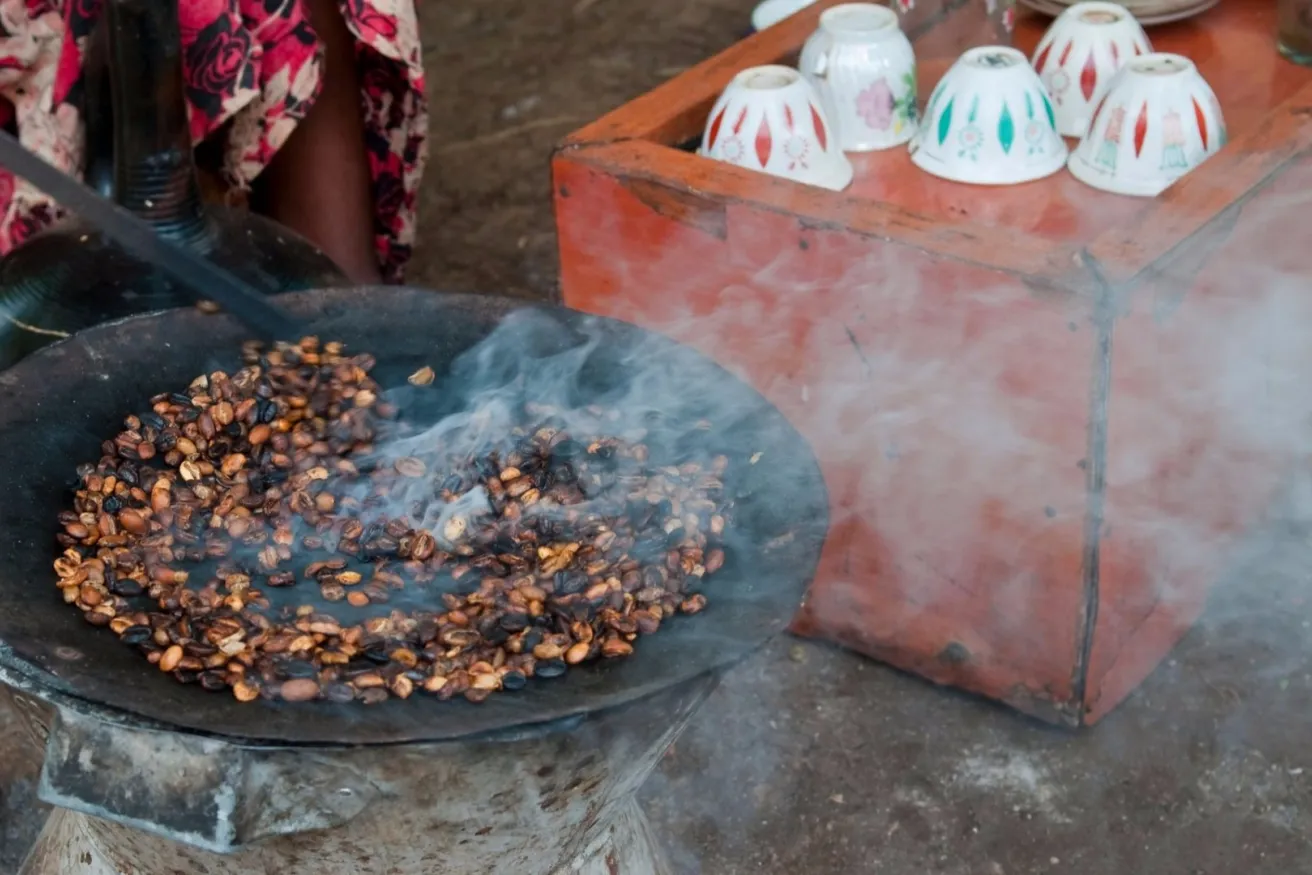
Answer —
(1040, 409)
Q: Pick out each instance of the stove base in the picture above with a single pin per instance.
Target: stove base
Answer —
(76, 844)
(562, 802)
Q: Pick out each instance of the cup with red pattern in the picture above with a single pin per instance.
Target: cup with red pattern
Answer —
(1076, 59)
(1159, 120)
(770, 119)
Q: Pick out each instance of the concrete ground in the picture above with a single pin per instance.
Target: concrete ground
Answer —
(810, 760)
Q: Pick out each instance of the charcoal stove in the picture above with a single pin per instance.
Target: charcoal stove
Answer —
(152, 777)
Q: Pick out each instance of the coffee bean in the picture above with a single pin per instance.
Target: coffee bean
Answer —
(267, 479)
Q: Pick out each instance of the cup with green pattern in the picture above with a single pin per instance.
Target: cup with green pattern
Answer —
(989, 121)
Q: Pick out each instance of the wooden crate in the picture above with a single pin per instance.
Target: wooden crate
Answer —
(1044, 412)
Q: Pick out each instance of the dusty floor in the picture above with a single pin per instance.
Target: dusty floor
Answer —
(810, 760)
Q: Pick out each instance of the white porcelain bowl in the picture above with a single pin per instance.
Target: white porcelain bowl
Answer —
(989, 122)
(770, 119)
(864, 69)
(770, 12)
(1159, 120)
(1078, 56)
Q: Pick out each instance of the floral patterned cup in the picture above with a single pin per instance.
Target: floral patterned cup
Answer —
(989, 122)
(864, 69)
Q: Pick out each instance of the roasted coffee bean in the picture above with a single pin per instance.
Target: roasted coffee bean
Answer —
(213, 681)
(299, 690)
(257, 470)
(137, 635)
(123, 586)
(340, 693)
(295, 668)
(551, 668)
(514, 622)
(570, 582)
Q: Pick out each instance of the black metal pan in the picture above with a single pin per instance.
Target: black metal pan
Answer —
(59, 404)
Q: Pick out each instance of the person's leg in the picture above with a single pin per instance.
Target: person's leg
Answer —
(319, 183)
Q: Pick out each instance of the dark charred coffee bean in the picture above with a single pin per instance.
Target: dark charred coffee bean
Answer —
(295, 668)
(152, 419)
(181, 399)
(427, 630)
(125, 587)
(340, 693)
(514, 622)
(513, 680)
(530, 639)
(570, 582)
(266, 411)
(551, 668)
(568, 450)
(113, 504)
(186, 676)
(213, 681)
(374, 696)
(137, 635)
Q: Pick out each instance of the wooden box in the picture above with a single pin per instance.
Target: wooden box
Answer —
(1045, 413)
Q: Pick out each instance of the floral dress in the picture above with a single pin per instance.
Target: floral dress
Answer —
(253, 69)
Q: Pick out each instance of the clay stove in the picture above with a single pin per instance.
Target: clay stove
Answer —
(152, 777)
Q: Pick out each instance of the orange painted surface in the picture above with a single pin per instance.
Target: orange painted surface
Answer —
(1209, 408)
(953, 463)
(1004, 386)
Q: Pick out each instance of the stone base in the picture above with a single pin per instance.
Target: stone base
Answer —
(76, 844)
(563, 802)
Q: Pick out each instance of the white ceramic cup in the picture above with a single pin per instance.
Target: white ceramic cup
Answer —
(770, 119)
(1159, 120)
(1076, 59)
(989, 122)
(768, 13)
(864, 68)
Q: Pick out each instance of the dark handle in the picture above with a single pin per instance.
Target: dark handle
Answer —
(199, 277)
